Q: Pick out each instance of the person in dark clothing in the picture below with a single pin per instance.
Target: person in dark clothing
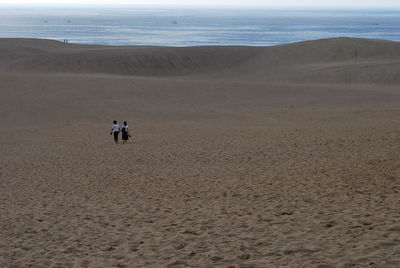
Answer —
(125, 132)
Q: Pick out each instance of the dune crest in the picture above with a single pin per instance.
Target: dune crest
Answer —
(338, 60)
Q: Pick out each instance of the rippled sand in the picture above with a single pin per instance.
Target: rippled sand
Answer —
(222, 171)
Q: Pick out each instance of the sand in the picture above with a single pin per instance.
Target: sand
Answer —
(282, 156)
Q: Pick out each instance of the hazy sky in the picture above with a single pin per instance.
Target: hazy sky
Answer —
(273, 3)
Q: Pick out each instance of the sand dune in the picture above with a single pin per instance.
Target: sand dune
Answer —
(340, 60)
(52, 56)
(258, 157)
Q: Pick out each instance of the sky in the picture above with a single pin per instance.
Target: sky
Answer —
(266, 3)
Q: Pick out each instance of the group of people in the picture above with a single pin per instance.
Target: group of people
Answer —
(124, 129)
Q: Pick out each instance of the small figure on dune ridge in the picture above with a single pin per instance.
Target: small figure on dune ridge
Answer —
(115, 130)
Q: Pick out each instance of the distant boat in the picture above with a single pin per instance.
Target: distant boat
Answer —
(45, 21)
(174, 22)
(68, 21)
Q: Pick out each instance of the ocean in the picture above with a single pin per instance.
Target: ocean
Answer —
(195, 27)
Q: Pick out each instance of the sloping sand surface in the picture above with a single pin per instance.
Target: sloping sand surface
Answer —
(281, 156)
(339, 60)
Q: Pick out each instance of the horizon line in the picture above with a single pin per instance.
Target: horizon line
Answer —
(235, 6)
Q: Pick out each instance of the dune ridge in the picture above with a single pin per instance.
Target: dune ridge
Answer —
(338, 60)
